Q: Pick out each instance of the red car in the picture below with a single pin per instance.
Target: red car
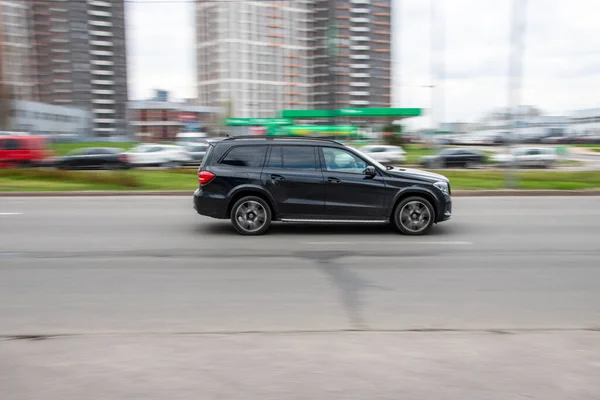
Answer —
(18, 151)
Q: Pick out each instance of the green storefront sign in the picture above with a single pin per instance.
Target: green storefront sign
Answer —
(353, 112)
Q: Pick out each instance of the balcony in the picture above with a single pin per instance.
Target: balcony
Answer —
(360, 56)
(360, 10)
(360, 20)
(359, 102)
(359, 66)
(101, 43)
(94, 13)
(101, 53)
(360, 48)
(103, 91)
(102, 82)
(360, 29)
(98, 3)
(103, 101)
(360, 38)
(101, 23)
(360, 75)
(102, 72)
(360, 84)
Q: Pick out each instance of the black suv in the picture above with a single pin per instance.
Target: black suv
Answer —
(256, 180)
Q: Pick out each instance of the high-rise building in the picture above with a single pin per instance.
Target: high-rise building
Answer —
(17, 76)
(253, 57)
(81, 58)
(256, 58)
(357, 34)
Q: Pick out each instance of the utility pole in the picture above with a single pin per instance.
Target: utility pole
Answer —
(517, 45)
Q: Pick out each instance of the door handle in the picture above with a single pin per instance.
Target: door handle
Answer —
(333, 180)
(277, 178)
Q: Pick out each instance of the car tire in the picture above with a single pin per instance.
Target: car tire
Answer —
(413, 216)
(251, 216)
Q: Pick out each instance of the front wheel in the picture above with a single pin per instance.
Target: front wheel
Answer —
(251, 215)
(413, 216)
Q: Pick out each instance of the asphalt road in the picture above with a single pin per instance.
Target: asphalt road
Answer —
(140, 298)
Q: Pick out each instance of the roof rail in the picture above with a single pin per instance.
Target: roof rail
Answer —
(285, 137)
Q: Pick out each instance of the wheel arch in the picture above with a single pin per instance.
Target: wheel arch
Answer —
(250, 190)
(416, 192)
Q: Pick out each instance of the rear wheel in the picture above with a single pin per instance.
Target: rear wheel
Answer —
(251, 215)
(413, 216)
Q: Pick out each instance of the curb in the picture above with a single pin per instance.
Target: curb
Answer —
(455, 193)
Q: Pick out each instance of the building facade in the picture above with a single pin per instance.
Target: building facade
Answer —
(56, 122)
(154, 120)
(585, 122)
(17, 74)
(354, 38)
(256, 58)
(81, 58)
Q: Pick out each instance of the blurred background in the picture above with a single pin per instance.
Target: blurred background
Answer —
(440, 84)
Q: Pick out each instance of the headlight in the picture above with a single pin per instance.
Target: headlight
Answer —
(443, 186)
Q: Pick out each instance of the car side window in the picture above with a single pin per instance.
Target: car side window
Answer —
(11, 144)
(299, 157)
(245, 156)
(338, 160)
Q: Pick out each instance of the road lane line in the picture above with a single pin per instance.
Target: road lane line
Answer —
(391, 243)
(8, 213)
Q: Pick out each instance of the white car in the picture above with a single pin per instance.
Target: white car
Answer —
(385, 154)
(528, 157)
(163, 155)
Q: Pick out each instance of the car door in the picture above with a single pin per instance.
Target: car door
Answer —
(292, 174)
(349, 193)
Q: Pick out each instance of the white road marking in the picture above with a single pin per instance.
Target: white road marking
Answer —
(399, 242)
(7, 213)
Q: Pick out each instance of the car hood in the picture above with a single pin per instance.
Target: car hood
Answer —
(417, 173)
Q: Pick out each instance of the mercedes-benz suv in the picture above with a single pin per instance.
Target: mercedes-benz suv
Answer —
(256, 180)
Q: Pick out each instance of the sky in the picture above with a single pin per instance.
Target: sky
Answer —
(561, 63)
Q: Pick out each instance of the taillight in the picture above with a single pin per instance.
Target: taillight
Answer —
(123, 158)
(205, 176)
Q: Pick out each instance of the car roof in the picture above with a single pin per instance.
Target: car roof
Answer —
(246, 140)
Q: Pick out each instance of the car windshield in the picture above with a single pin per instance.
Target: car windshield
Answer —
(369, 159)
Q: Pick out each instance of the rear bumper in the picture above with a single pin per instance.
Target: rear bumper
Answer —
(210, 206)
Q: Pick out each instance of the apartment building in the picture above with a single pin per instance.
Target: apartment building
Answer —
(81, 58)
(357, 34)
(17, 75)
(257, 58)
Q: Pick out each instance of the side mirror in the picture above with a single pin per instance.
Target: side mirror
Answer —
(370, 171)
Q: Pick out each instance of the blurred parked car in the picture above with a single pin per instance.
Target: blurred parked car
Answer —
(528, 157)
(196, 151)
(92, 158)
(162, 155)
(22, 150)
(454, 157)
(385, 154)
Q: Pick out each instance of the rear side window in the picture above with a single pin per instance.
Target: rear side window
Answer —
(10, 144)
(245, 156)
(299, 157)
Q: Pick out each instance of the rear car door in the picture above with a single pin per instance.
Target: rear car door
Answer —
(349, 193)
(292, 174)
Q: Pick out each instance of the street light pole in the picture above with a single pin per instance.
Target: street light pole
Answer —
(517, 44)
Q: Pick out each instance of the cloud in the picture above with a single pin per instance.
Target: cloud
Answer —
(161, 42)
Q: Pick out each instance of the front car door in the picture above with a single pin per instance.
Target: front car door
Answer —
(349, 193)
(293, 176)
